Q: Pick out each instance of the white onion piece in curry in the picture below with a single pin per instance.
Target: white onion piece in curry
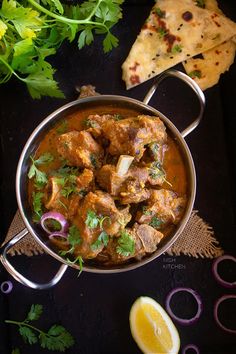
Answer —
(59, 236)
(54, 215)
(123, 164)
(184, 321)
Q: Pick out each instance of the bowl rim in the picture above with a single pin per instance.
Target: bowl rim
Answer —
(113, 99)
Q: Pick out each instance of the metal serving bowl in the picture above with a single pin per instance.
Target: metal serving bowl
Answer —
(46, 125)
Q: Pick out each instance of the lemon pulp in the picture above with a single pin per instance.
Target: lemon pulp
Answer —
(152, 328)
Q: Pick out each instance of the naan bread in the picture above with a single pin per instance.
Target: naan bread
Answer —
(206, 71)
(174, 32)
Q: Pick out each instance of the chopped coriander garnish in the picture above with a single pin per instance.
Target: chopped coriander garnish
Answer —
(63, 127)
(176, 49)
(74, 239)
(93, 160)
(156, 222)
(201, 3)
(40, 177)
(154, 148)
(118, 117)
(160, 13)
(145, 211)
(91, 123)
(92, 220)
(195, 73)
(126, 244)
(102, 239)
(156, 171)
(77, 260)
(37, 205)
(57, 338)
(162, 31)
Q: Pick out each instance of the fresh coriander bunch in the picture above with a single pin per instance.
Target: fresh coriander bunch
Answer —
(32, 30)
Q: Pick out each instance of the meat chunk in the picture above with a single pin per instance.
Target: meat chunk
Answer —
(108, 179)
(98, 213)
(94, 123)
(164, 207)
(133, 191)
(149, 239)
(64, 197)
(133, 182)
(145, 239)
(80, 149)
(130, 135)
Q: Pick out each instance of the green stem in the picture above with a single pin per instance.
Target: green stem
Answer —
(68, 20)
(19, 324)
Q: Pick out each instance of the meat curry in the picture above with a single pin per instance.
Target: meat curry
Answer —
(116, 181)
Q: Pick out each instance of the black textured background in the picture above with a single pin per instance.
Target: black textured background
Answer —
(95, 308)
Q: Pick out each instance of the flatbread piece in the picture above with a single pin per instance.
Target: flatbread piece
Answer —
(174, 32)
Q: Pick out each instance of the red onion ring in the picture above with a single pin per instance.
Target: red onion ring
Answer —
(216, 274)
(61, 235)
(6, 287)
(218, 302)
(191, 346)
(184, 321)
(54, 215)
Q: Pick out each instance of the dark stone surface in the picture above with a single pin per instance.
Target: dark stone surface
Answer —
(95, 308)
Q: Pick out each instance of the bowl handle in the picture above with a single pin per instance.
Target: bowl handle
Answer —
(19, 277)
(190, 82)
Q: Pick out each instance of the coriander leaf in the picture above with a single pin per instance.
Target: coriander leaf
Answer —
(15, 351)
(37, 204)
(201, 3)
(40, 85)
(176, 49)
(74, 237)
(85, 37)
(102, 239)
(126, 244)
(160, 13)
(57, 338)
(93, 160)
(156, 222)
(195, 73)
(62, 127)
(45, 158)
(156, 171)
(28, 335)
(109, 42)
(162, 32)
(35, 312)
(92, 220)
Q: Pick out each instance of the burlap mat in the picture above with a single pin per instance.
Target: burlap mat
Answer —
(197, 240)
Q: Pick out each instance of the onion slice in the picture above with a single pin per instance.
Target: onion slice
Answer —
(58, 236)
(221, 281)
(6, 287)
(218, 302)
(190, 346)
(54, 215)
(184, 321)
(123, 164)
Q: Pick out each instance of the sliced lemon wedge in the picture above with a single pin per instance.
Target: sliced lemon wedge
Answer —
(152, 328)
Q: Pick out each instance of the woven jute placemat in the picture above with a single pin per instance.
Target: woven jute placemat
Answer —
(197, 240)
